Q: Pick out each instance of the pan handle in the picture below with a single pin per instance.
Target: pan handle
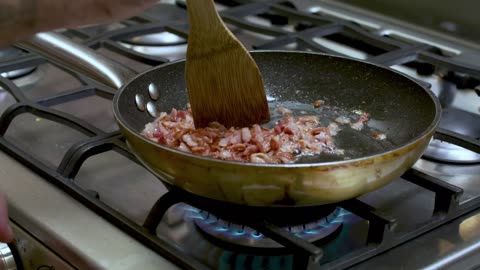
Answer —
(78, 58)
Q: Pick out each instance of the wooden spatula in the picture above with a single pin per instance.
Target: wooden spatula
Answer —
(223, 81)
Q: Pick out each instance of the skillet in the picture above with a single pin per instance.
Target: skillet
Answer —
(403, 110)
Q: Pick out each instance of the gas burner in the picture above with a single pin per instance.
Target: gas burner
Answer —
(157, 39)
(9, 53)
(450, 153)
(243, 236)
(461, 122)
(162, 12)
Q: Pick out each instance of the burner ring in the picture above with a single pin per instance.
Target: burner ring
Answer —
(458, 121)
(14, 74)
(245, 236)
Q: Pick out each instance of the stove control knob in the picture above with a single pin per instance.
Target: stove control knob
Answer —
(7, 261)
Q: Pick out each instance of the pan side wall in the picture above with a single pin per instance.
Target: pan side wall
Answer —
(275, 186)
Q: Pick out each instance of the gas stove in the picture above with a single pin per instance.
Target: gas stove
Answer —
(78, 198)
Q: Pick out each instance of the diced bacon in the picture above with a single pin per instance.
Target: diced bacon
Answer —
(189, 140)
(225, 154)
(183, 147)
(162, 115)
(178, 135)
(379, 136)
(181, 114)
(290, 127)
(263, 146)
(287, 146)
(285, 157)
(260, 158)
(223, 142)
(357, 125)
(278, 129)
(169, 124)
(323, 137)
(364, 117)
(257, 130)
(320, 130)
(275, 143)
(290, 137)
(149, 128)
(157, 134)
(284, 111)
(309, 119)
(246, 135)
(207, 140)
(318, 103)
(160, 137)
(173, 114)
(333, 128)
(236, 137)
(200, 150)
(239, 147)
(250, 150)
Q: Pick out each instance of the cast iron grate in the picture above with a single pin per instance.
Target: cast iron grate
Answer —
(387, 52)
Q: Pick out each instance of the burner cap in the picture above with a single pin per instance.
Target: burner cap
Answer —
(160, 13)
(462, 122)
(10, 53)
(243, 236)
(157, 39)
(450, 153)
(14, 74)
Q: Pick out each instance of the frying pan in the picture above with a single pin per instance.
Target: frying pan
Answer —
(399, 107)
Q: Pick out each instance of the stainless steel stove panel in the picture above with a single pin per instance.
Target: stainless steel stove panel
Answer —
(450, 247)
(67, 227)
(113, 177)
(33, 255)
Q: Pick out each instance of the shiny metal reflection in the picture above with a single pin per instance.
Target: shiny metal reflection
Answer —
(7, 261)
(140, 102)
(152, 109)
(13, 74)
(468, 229)
(153, 91)
(450, 153)
(157, 39)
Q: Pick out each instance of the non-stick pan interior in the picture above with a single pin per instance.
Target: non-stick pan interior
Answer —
(397, 106)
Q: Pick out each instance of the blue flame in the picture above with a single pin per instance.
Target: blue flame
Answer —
(239, 233)
(188, 208)
(335, 217)
(193, 213)
(342, 212)
(256, 235)
(221, 229)
(194, 216)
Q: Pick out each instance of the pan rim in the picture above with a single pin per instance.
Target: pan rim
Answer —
(431, 128)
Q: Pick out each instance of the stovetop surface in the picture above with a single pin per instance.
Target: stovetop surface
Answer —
(456, 18)
(113, 180)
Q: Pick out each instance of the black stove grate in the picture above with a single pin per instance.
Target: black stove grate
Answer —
(383, 50)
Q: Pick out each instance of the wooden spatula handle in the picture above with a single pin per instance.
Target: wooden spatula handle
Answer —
(206, 24)
(223, 81)
(201, 13)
